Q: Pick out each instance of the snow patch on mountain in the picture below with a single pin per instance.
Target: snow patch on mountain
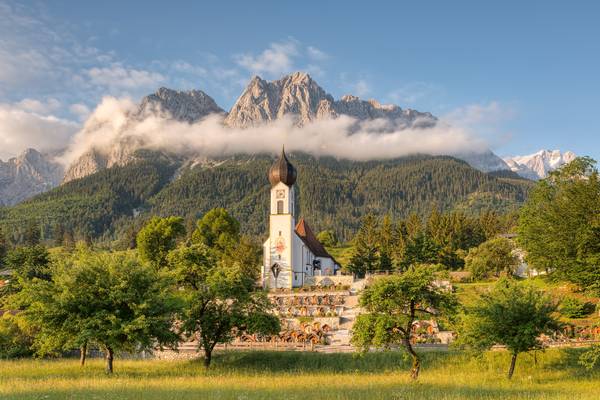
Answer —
(538, 165)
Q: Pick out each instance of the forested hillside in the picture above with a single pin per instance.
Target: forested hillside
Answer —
(332, 194)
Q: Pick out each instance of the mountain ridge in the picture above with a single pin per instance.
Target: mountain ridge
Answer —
(296, 95)
(26, 175)
(539, 164)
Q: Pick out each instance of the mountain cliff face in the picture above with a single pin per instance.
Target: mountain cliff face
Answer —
(299, 96)
(295, 96)
(185, 106)
(539, 165)
(27, 175)
(486, 161)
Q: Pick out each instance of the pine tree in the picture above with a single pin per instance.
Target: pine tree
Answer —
(3, 247)
(58, 233)
(365, 257)
(387, 240)
(31, 236)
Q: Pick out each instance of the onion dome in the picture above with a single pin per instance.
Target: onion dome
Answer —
(282, 171)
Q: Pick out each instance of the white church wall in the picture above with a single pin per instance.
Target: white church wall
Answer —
(327, 266)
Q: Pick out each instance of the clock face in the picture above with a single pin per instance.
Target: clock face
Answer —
(280, 194)
(279, 245)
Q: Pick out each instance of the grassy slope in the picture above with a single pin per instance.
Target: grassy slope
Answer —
(468, 293)
(264, 375)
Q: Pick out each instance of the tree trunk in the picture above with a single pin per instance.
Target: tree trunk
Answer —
(207, 357)
(109, 360)
(513, 361)
(82, 354)
(416, 361)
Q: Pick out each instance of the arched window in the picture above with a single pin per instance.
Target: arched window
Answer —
(279, 206)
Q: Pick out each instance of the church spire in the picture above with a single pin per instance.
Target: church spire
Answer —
(282, 170)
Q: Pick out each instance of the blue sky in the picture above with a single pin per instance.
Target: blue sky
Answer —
(524, 73)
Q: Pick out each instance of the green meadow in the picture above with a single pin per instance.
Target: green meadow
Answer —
(552, 374)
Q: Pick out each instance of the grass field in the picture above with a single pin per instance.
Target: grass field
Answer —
(278, 375)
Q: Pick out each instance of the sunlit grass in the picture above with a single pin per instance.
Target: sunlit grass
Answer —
(278, 375)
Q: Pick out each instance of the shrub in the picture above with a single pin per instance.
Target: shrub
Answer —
(571, 307)
(14, 340)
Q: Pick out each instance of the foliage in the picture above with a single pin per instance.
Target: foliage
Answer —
(365, 258)
(107, 299)
(559, 225)
(3, 247)
(512, 314)
(333, 194)
(26, 263)
(441, 238)
(15, 337)
(572, 307)
(328, 238)
(157, 238)
(220, 298)
(419, 249)
(393, 304)
(590, 358)
(492, 258)
(92, 206)
(217, 230)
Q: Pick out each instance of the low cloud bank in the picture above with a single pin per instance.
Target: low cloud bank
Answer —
(29, 124)
(343, 137)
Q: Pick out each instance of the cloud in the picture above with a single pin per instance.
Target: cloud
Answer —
(21, 128)
(118, 77)
(276, 60)
(186, 67)
(488, 120)
(316, 54)
(39, 106)
(342, 137)
(282, 58)
(80, 110)
(481, 114)
(413, 92)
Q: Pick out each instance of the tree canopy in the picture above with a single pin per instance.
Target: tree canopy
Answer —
(110, 300)
(492, 258)
(392, 304)
(513, 314)
(559, 225)
(158, 237)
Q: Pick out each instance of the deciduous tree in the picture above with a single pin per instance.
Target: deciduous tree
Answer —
(392, 304)
(494, 257)
(157, 238)
(110, 300)
(221, 298)
(513, 314)
(559, 226)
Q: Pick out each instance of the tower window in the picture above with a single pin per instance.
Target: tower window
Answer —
(279, 206)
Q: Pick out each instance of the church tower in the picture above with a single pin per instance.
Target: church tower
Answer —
(279, 248)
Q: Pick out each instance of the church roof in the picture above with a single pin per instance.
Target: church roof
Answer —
(310, 240)
(282, 170)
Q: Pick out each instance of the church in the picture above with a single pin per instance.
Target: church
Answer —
(292, 253)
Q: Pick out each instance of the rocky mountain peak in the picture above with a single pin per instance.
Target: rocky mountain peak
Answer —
(187, 106)
(539, 164)
(299, 96)
(26, 175)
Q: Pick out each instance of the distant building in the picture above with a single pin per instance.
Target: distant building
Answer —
(292, 253)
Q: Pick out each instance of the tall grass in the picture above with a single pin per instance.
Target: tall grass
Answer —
(279, 375)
